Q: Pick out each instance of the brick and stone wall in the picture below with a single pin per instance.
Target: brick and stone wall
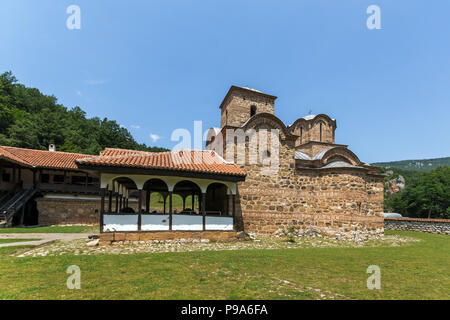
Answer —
(341, 203)
(236, 109)
(438, 226)
(71, 211)
(68, 211)
(319, 129)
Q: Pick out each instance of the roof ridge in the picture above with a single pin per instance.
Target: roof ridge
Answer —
(145, 153)
(28, 149)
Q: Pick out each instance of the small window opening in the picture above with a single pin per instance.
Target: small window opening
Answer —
(321, 132)
(301, 135)
(252, 111)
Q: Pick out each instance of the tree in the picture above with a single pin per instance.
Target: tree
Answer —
(427, 195)
(30, 119)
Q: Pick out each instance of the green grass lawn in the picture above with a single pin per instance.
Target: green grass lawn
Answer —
(51, 229)
(157, 202)
(416, 270)
(6, 251)
(16, 240)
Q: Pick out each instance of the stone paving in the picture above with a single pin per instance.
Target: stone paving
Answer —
(81, 247)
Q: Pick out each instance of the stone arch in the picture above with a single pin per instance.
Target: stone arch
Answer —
(270, 120)
(341, 154)
(122, 189)
(300, 129)
(299, 122)
(310, 130)
(188, 188)
(109, 182)
(187, 185)
(323, 117)
(122, 180)
(217, 200)
(155, 185)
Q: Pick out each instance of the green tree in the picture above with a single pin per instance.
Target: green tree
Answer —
(427, 195)
(34, 120)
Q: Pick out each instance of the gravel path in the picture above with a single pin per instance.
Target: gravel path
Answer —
(80, 247)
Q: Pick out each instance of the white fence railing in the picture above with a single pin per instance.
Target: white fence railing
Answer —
(161, 222)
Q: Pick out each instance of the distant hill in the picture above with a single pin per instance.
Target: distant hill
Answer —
(416, 165)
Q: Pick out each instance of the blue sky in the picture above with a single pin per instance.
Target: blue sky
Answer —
(155, 66)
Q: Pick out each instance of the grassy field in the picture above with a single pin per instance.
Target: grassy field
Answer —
(157, 202)
(15, 240)
(51, 229)
(416, 270)
(6, 251)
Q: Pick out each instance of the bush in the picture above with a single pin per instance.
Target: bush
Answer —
(289, 233)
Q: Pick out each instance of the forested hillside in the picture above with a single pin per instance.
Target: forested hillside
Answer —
(426, 165)
(426, 194)
(30, 119)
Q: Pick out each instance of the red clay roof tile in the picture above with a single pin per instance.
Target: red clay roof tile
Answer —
(185, 160)
(41, 158)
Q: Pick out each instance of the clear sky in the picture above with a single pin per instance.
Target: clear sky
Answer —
(155, 66)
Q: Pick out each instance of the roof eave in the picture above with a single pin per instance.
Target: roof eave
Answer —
(161, 171)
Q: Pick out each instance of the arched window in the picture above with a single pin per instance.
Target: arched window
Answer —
(252, 111)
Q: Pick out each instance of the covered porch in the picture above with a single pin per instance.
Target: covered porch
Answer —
(182, 202)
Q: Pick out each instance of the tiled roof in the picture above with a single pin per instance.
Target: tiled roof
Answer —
(41, 158)
(205, 161)
(189, 160)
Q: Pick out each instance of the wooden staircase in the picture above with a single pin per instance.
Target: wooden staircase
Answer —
(13, 205)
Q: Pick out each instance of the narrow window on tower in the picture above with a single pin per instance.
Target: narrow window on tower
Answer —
(321, 132)
(252, 111)
(301, 135)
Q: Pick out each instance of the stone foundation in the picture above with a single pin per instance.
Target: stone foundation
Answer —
(214, 236)
(438, 226)
(341, 202)
(350, 233)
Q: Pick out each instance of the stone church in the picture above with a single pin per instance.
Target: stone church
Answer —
(319, 187)
(312, 183)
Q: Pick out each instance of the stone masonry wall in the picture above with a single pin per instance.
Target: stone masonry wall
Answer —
(312, 148)
(71, 211)
(327, 132)
(65, 211)
(438, 226)
(338, 203)
(236, 110)
(310, 131)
